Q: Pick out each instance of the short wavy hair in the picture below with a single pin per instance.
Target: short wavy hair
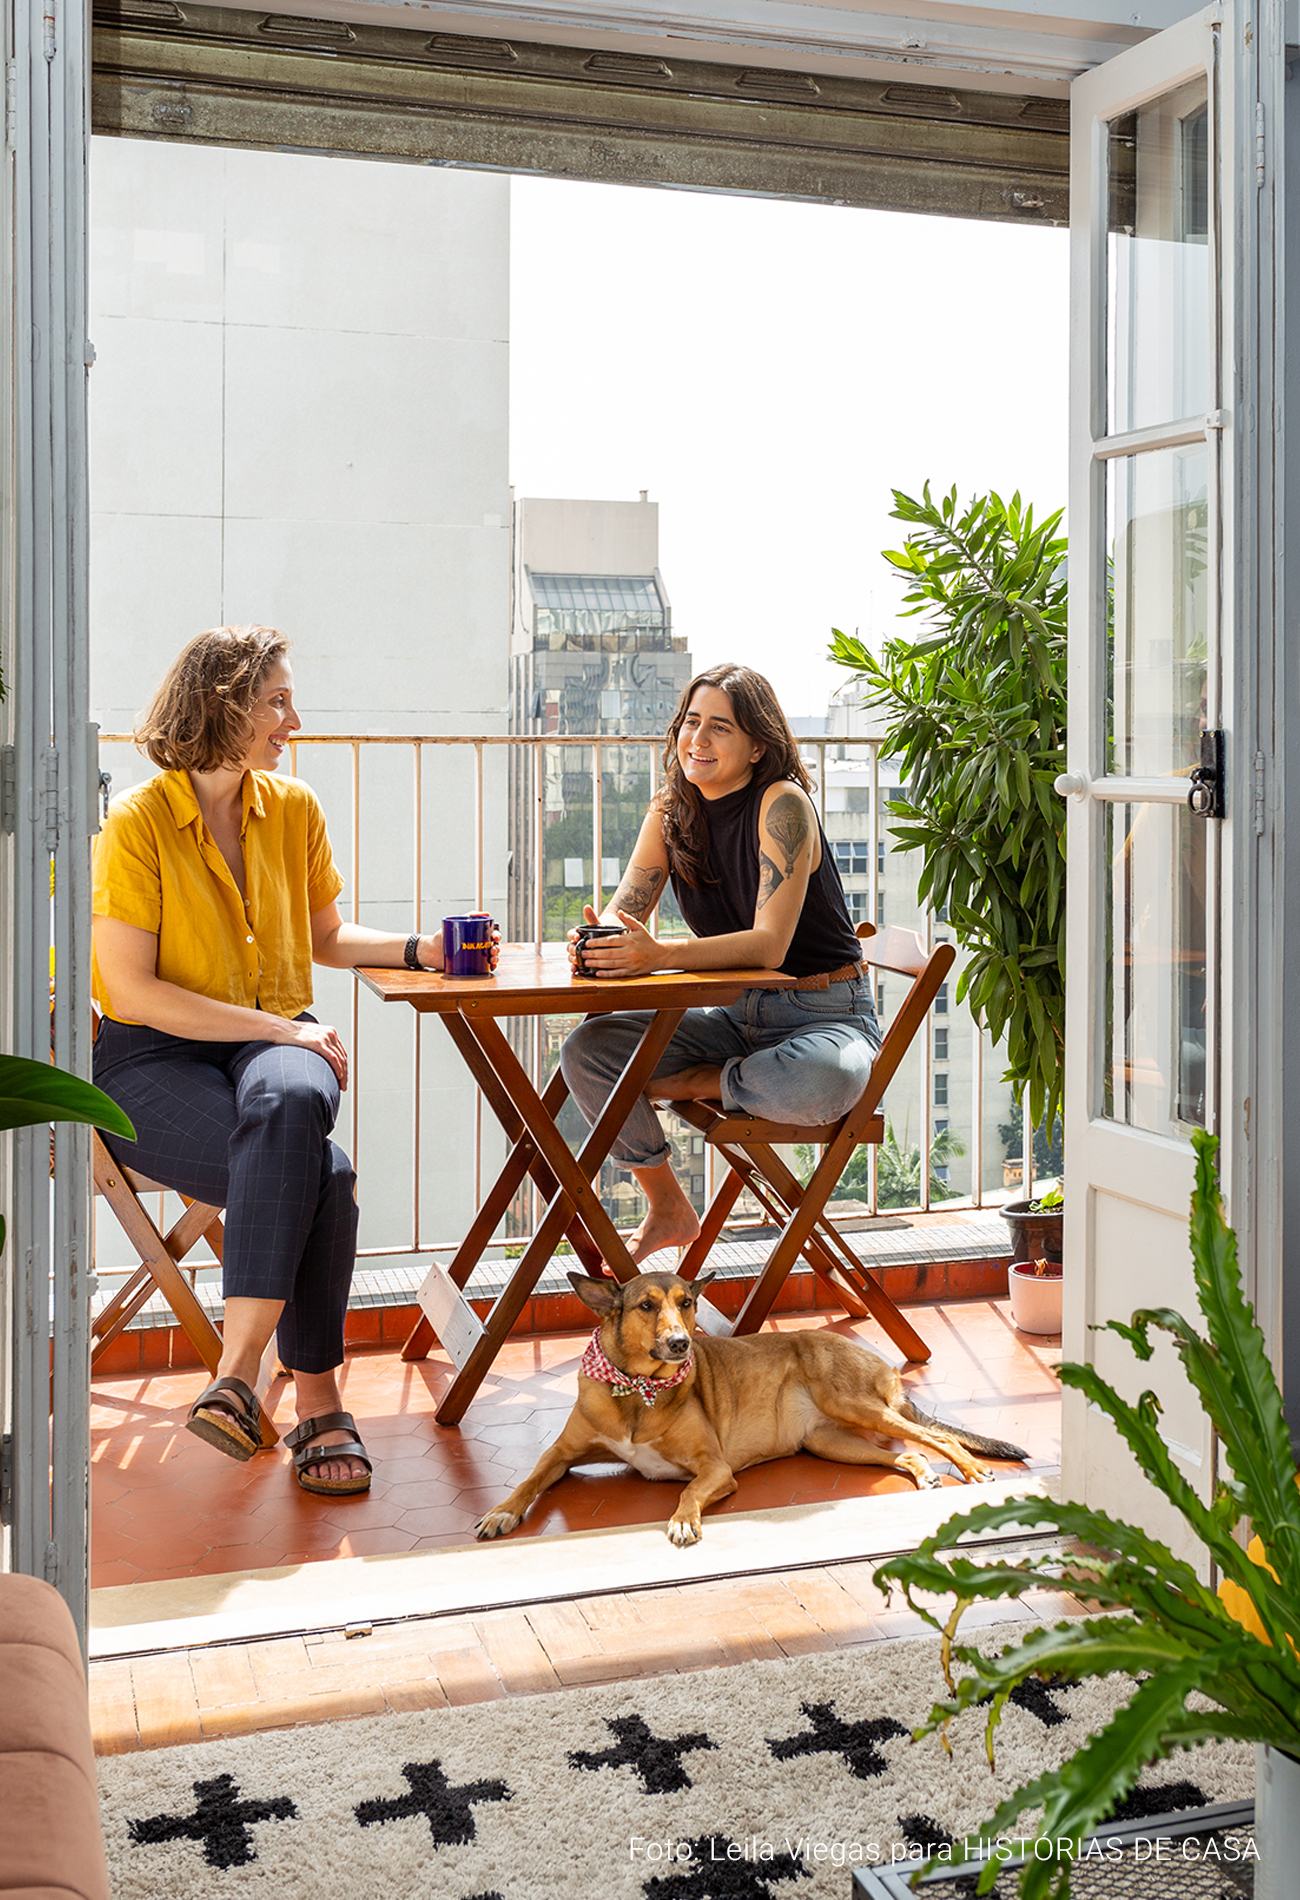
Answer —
(198, 720)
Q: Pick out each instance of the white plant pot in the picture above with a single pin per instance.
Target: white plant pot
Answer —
(1035, 1300)
(1277, 1824)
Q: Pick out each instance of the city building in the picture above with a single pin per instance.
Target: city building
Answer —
(592, 654)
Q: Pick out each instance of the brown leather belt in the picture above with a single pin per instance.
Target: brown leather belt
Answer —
(824, 979)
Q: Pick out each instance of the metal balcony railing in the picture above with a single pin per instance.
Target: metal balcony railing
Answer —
(397, 807)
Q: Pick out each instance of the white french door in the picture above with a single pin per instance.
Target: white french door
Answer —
(1150, 647)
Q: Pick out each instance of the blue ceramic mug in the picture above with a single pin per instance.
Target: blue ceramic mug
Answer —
(467, 944)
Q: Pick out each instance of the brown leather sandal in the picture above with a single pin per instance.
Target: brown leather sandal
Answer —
(228, 1416)
(306, 1455)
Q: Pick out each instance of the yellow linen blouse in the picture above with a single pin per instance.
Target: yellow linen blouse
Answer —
(157, 866)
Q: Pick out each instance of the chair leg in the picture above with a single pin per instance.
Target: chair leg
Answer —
(725, 1196)
(163, 1267)
(808, 1224)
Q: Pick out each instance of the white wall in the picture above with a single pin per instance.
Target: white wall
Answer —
(299, 416)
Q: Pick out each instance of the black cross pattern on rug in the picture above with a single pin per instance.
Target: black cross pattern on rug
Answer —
(854, 1741)
(656, 1758)
(223, 1823)
(1142, 1804)
(713, 1874)
(923, 1831)
(1036, 1696)
(449, 1811)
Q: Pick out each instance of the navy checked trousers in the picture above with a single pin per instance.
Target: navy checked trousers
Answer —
(246, 1126)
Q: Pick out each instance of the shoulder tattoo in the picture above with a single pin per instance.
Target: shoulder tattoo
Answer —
(787, 821)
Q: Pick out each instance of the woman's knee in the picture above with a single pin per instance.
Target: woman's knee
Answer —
(595, 1047)
(298, 1090)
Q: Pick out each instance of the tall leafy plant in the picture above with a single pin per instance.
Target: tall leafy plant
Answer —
(975, 712)
(1181, 1641)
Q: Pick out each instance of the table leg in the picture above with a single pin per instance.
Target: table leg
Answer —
(523, 1160)
(577, 1195)
(525, 1157)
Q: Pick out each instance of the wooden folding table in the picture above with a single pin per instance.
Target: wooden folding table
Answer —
(527, 983)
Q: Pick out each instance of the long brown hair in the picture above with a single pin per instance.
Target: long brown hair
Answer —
(198, 720)
(680, 806)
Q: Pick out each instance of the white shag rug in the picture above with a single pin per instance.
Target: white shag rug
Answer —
(766, 1781)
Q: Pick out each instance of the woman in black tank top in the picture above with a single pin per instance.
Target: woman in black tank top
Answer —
(735, 832)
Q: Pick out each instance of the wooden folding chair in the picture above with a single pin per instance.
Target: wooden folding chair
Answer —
(160, 1269)
(749, 1146)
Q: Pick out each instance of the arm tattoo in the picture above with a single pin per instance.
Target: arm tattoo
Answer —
(768, 880)
(638, 891)
(787, 821)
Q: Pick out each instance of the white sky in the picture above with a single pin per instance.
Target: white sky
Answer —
(769, 371)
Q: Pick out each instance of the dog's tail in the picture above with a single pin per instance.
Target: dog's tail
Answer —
(973, 1441)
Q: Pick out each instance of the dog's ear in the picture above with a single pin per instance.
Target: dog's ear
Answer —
(602, 1296)
(703, 1280)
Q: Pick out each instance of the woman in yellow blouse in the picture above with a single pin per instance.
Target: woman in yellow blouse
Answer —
(215, 891)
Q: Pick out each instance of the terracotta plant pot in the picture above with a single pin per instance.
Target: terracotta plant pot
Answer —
(1033, 1236)
(1035, 1298)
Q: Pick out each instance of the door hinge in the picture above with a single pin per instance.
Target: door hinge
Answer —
(11, 105)
(50, 42)
(6, 1479)
(8, 789)
(99, 782)
(52, 1563)
(51, 761)
(1259, 144)
(1259, 794)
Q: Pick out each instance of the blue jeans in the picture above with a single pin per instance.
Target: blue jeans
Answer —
(788, 1055)
(246, 1126)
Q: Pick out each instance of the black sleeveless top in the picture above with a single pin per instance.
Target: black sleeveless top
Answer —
(824, 938)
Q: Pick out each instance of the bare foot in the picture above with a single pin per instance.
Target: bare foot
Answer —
(338, 1470)
(702, 1083)
(672, 1227)
(317, 1394)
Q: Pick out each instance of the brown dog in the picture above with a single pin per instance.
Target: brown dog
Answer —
(675, 1404)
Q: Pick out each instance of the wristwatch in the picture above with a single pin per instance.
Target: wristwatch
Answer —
(411, 954)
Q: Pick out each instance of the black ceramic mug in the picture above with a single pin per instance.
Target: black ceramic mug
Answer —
(587, 931)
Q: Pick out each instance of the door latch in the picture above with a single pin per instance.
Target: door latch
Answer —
(1207, 796)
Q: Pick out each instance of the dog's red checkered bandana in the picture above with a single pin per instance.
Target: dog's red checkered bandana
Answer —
(623, 1385)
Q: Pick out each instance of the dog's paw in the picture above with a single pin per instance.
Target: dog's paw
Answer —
(498, 1523)
(684, 1531)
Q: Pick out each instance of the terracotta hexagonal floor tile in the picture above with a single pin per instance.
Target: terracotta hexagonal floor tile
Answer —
(376, 1543)
(179, 1504)
(106, 1576)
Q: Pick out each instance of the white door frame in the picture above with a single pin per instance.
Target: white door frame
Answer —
(1252, 699)
(50, 764)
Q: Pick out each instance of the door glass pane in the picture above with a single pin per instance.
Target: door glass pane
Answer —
(1158, 634)
(1158, 279)
(1154, 1063)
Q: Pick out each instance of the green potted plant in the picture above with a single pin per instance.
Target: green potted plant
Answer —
(1036, 1225)
(974, 712)
(36, 1092)
(1180, 1640)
